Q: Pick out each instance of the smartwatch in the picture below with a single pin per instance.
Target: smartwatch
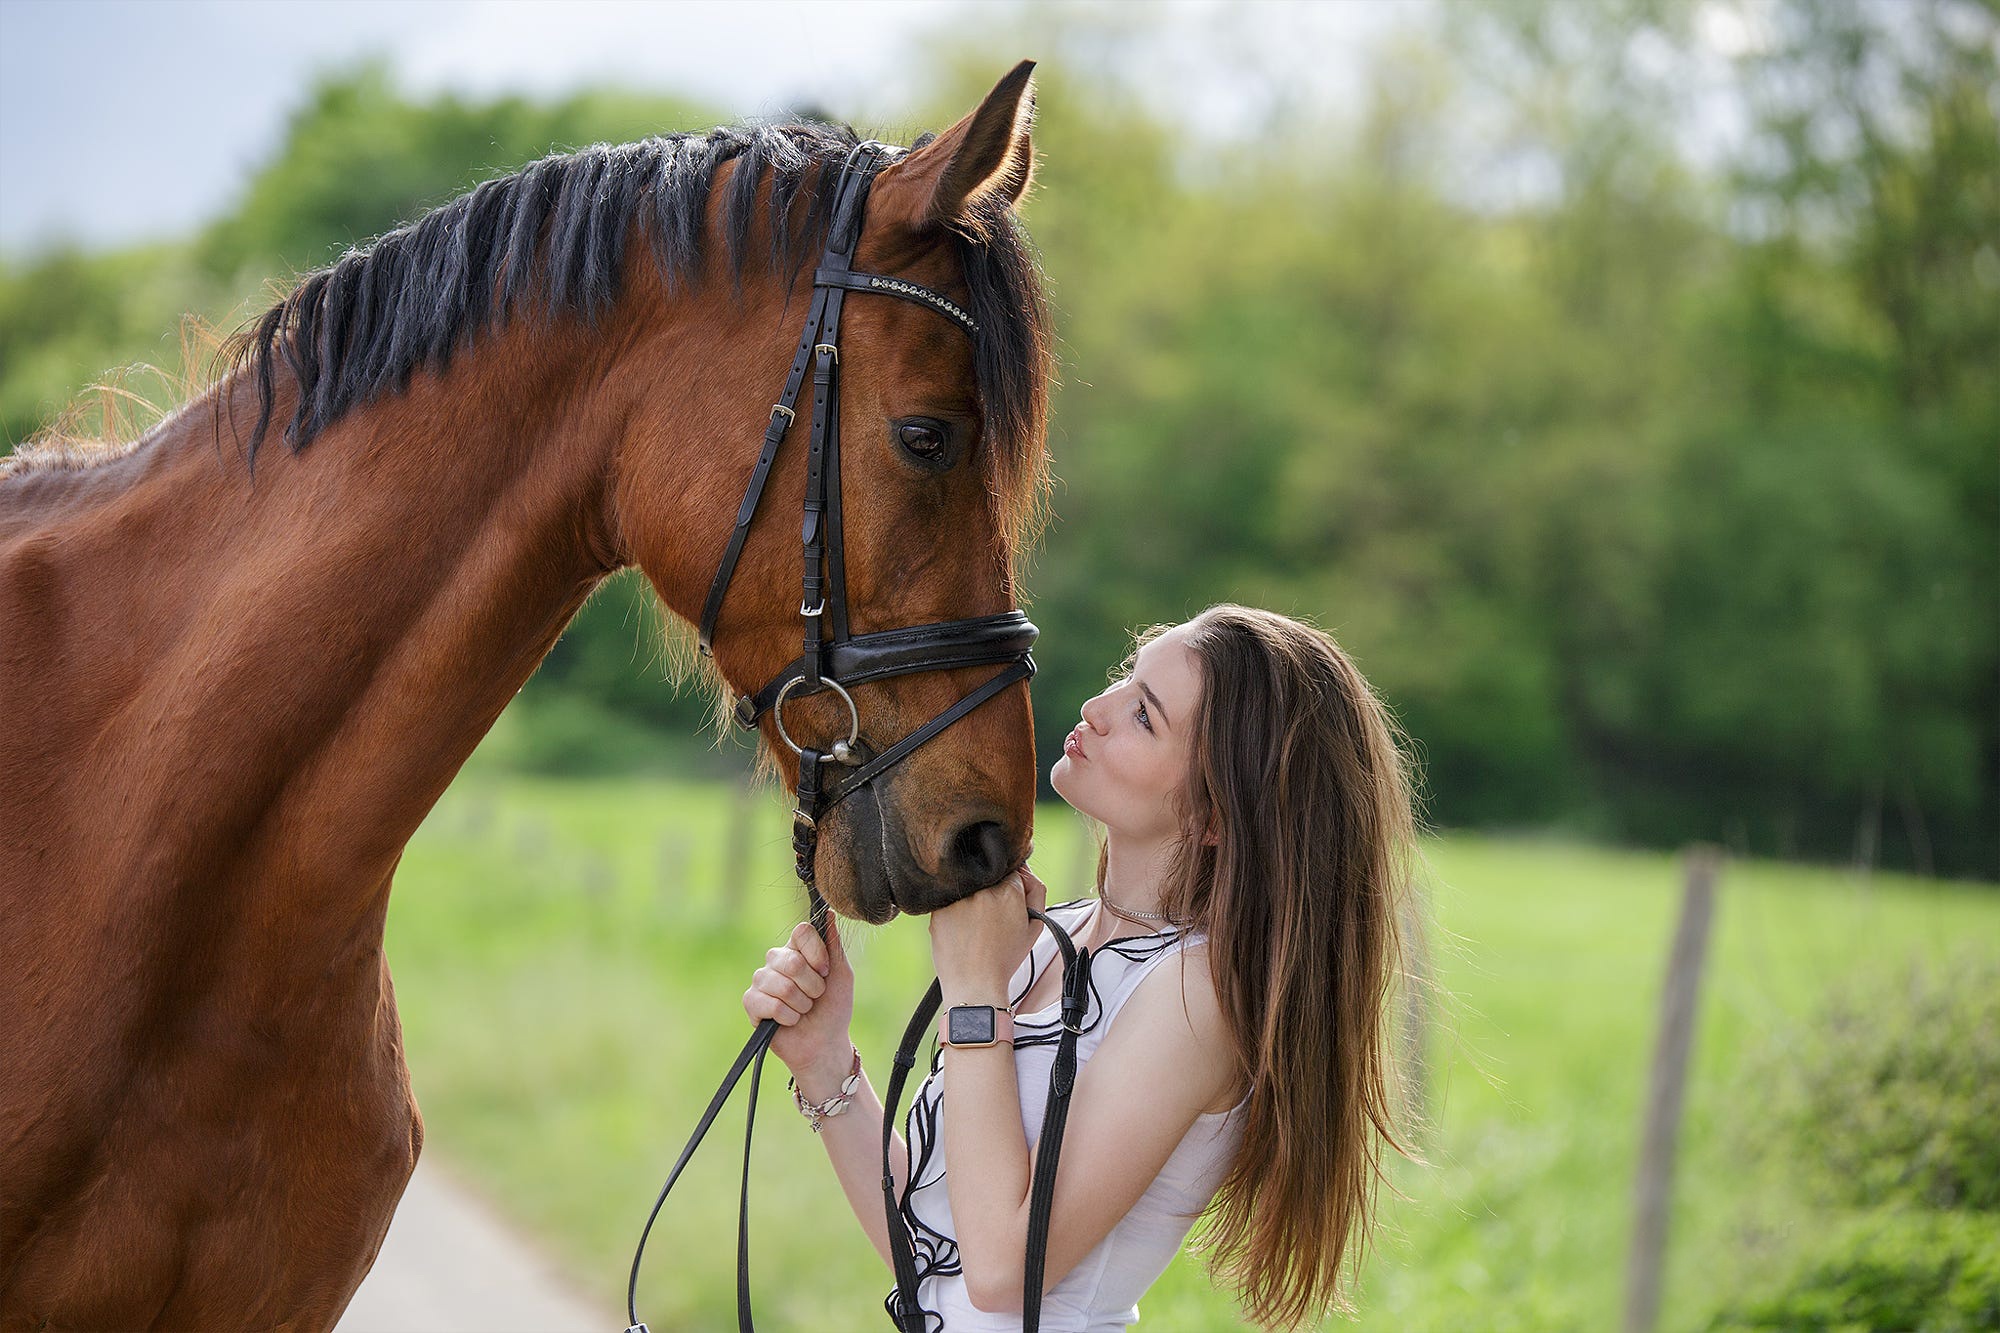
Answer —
(972, 1025)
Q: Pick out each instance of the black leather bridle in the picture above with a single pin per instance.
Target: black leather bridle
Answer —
(834, 658)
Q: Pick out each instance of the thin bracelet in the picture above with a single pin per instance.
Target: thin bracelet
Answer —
(832, 1106)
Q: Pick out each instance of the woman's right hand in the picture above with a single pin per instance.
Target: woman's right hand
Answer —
(808, 987)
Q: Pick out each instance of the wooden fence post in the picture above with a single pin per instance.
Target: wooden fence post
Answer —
(1667, 1089)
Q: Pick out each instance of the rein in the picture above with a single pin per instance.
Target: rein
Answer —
(832, 658)
(909, 1315)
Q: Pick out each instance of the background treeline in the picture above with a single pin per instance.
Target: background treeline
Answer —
(1617, 381)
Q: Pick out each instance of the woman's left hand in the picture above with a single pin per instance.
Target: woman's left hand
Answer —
(977, 943)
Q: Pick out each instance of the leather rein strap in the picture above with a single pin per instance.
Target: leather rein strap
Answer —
(831, 658)
(908, 1314)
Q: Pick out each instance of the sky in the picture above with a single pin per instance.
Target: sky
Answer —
(127, 120)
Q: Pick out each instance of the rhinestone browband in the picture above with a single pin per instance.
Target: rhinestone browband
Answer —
(929, 297)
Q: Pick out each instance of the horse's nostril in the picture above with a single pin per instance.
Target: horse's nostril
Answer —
(979, 854)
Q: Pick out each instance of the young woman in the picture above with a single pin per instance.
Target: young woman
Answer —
(1258, 845)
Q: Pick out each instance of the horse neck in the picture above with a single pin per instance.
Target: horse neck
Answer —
(296, 661)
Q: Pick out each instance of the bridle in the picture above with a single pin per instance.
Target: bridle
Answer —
(834, 658)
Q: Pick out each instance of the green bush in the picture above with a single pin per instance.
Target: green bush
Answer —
(1879, 1110)
(1888, 1272)
(1888, 1095)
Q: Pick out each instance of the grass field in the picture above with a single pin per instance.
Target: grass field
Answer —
(569, 969)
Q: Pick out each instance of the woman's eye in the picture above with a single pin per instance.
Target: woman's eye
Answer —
(925, 441)
(1144, 721)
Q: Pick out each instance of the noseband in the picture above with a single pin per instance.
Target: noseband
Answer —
(833, 659)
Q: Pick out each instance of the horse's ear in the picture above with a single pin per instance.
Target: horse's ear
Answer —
(983, 161)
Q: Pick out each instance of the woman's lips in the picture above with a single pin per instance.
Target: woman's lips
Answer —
(1074, 748)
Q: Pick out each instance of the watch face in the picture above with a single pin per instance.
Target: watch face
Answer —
(971, 1025)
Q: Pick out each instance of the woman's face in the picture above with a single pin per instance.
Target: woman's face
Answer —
(1124, 763)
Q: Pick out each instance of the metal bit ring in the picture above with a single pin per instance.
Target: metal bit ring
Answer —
(843, 751)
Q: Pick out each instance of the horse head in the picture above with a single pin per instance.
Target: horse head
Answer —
(938, 401)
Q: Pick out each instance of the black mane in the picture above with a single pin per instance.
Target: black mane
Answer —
(551, 239)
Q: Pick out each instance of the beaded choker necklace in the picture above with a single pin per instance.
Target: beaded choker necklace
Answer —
(1109, 902)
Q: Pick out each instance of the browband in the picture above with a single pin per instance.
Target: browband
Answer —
(903, 287)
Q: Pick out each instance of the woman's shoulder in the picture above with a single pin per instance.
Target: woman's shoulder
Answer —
(1175, 1007)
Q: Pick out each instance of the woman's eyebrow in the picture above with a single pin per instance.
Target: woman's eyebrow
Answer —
(1154, 699)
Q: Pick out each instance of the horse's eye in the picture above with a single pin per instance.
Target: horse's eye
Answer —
(929, 442)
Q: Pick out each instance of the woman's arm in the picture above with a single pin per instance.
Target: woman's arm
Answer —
(809, 988)
(853, 1141)
(1165, 1060)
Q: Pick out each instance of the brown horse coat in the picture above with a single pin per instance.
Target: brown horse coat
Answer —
(228, 697)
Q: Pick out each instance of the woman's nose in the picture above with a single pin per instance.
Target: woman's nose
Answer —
(1093, 710)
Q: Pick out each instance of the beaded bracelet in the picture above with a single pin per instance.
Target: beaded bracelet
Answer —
(832, 1106)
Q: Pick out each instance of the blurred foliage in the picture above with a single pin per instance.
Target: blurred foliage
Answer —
(1911, 1272)
(1657, 494)
(1886, 1097)
(1874, 1125)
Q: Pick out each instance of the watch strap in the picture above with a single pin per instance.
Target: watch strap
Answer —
(999, 1021)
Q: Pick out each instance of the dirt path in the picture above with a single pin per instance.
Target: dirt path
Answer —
(450, 1266)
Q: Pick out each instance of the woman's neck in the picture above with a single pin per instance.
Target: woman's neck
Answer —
(1135, 880)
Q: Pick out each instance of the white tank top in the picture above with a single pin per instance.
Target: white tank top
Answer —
(1101, 1293)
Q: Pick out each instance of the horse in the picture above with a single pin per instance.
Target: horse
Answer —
(233, 679)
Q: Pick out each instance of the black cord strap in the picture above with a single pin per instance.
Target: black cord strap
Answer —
(1055, 1119)
(743, 1199)
(909, 1315)
(753, 1050)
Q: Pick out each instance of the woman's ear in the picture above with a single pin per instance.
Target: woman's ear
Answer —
(982, 163)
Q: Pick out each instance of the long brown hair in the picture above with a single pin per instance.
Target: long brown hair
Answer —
(1306, 898)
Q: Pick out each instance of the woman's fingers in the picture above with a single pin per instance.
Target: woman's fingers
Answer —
(761, 1005)
(791, 963)
(783, 988)
(1038, 892)
(808, 943)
